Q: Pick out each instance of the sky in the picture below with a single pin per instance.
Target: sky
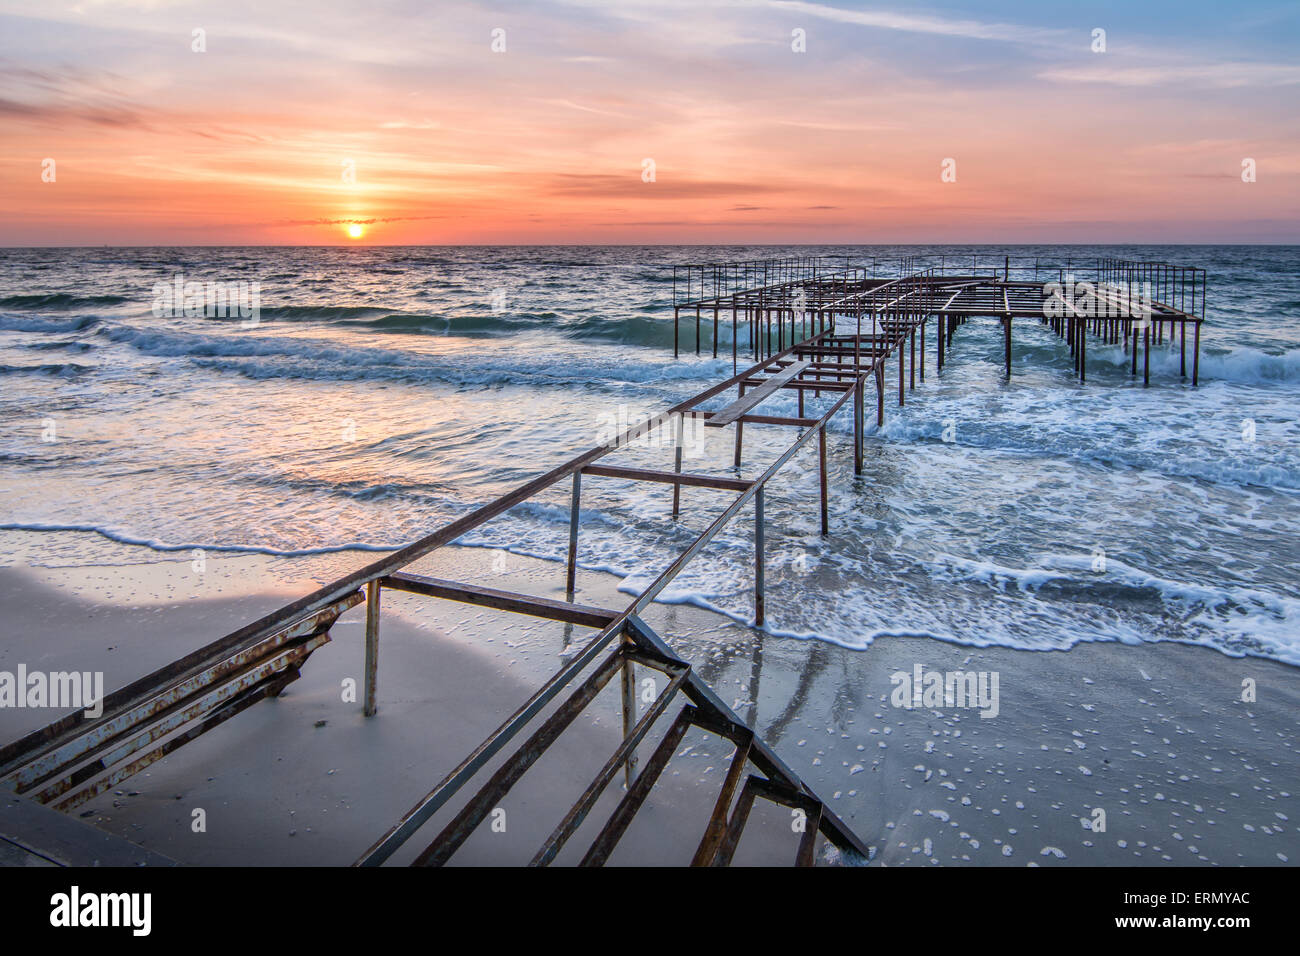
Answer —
(647, 121)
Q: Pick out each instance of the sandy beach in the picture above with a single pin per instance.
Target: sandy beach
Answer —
(1155, 735)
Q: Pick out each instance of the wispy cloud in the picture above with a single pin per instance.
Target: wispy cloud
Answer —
(1219, 75)
(920, 23)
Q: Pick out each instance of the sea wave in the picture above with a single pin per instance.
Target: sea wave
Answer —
(637, 329)
(60, 300)
(63, 369)
(1234, 619)
(1244, 364)
(270, 357)
(23, 323)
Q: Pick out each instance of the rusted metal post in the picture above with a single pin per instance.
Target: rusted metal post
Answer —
(758, 558)
(924, 321)
(880, 392)
(677, 325)
(372, 647)
(740, 429)
(857, 426)
(735, 346)
(1083, 351)
(902, 372)
(677, 461)
(1006, 343)
(1196, 353)
(629, 717)
(912, 367)
(826, 527)
(571, 572)
(1146, 354)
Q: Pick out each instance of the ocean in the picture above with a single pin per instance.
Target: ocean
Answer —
(384, 391)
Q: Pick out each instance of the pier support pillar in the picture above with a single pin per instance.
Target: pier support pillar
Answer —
(740, 429)
(372, 648)
(1083, 351)
(857, 426)
(735, 345)
(1196, 353)
(1006, 343)
(677, 462)
(1146, 354)
(912, 369)
(571, 571)
(902, 372)
(758, 558)
(880, 392)
(821, 441)
(629, 718)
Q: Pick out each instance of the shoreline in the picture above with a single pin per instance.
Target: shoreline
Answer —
(1155, 735)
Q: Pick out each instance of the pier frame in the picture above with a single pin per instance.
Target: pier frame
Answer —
(73, 758)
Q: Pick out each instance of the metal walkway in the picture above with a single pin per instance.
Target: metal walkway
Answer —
(814, 330)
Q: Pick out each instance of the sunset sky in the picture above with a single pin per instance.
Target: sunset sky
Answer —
(752, 142)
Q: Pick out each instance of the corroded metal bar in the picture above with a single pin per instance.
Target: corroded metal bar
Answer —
(623, 756)
(498, 785)
(372, 648)
(669, 477)
(628, 679)
(627, 808)
(825, 488)
(808, 839)
(736, 824)
(581, 614)
(571, 565)
(717, 827)
(759, 595)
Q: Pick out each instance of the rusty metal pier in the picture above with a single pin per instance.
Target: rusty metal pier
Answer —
(1120, 302)
(825, 329)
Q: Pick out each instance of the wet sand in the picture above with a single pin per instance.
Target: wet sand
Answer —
(1155, 735)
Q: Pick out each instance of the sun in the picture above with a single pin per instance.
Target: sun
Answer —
(356, 231)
